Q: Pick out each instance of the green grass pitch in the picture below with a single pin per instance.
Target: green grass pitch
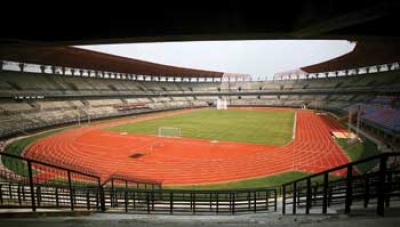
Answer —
(261, 127)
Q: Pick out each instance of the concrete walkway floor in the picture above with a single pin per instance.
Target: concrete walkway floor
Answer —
(244, 220)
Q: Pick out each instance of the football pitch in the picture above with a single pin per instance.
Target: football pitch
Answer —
(261, 127)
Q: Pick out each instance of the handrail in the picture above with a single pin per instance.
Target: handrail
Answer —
(193, 201)
(377, 184)
(341, 167)
(48, 164)
(200, 191)
(94, 195)
(128, 180)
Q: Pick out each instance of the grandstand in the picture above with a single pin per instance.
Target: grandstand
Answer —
(87, 167)
(65, 97)
(36, 99)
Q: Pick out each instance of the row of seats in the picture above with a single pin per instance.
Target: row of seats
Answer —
(18, 82)
(74, 95)
(388, 101)
(24, 83)
(387, 117)
(21, 116)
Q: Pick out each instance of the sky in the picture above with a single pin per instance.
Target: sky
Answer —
(260, 59)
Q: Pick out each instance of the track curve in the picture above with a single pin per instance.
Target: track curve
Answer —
(183, 161)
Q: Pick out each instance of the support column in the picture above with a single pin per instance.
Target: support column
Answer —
(325, 193)
(380, 209)
(42, 68)
(21, 67)
(349, 189)
(32, 190)
(294, 202)
(358, 120)
(71, 193)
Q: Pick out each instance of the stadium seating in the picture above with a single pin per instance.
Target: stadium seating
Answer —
(384, 116)
(28, 95)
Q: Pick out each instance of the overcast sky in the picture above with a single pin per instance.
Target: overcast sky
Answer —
(257, 58)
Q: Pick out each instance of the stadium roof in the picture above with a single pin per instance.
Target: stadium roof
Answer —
(364, 54)
(51, 28)
(152, 21)
(85, 59)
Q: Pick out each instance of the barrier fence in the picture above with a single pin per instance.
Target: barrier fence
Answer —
(194, 201)
(26, 183)
(379, 187)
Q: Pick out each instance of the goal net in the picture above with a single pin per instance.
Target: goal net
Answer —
(222, 104)
(169, 132)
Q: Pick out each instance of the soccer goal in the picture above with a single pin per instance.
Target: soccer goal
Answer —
(169, 132)
(222, 104)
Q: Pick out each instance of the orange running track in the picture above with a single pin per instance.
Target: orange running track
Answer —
(183, 161)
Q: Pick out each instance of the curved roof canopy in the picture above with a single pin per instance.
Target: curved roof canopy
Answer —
(86, 59)
(53, 28)
(364, 54)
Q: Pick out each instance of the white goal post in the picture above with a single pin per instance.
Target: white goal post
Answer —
(169, 132)
(222, 104)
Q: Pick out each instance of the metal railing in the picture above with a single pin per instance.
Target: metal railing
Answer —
(380, 186)
(194, 201)
(26, 183)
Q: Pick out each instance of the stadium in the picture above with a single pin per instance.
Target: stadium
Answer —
(88, 131)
